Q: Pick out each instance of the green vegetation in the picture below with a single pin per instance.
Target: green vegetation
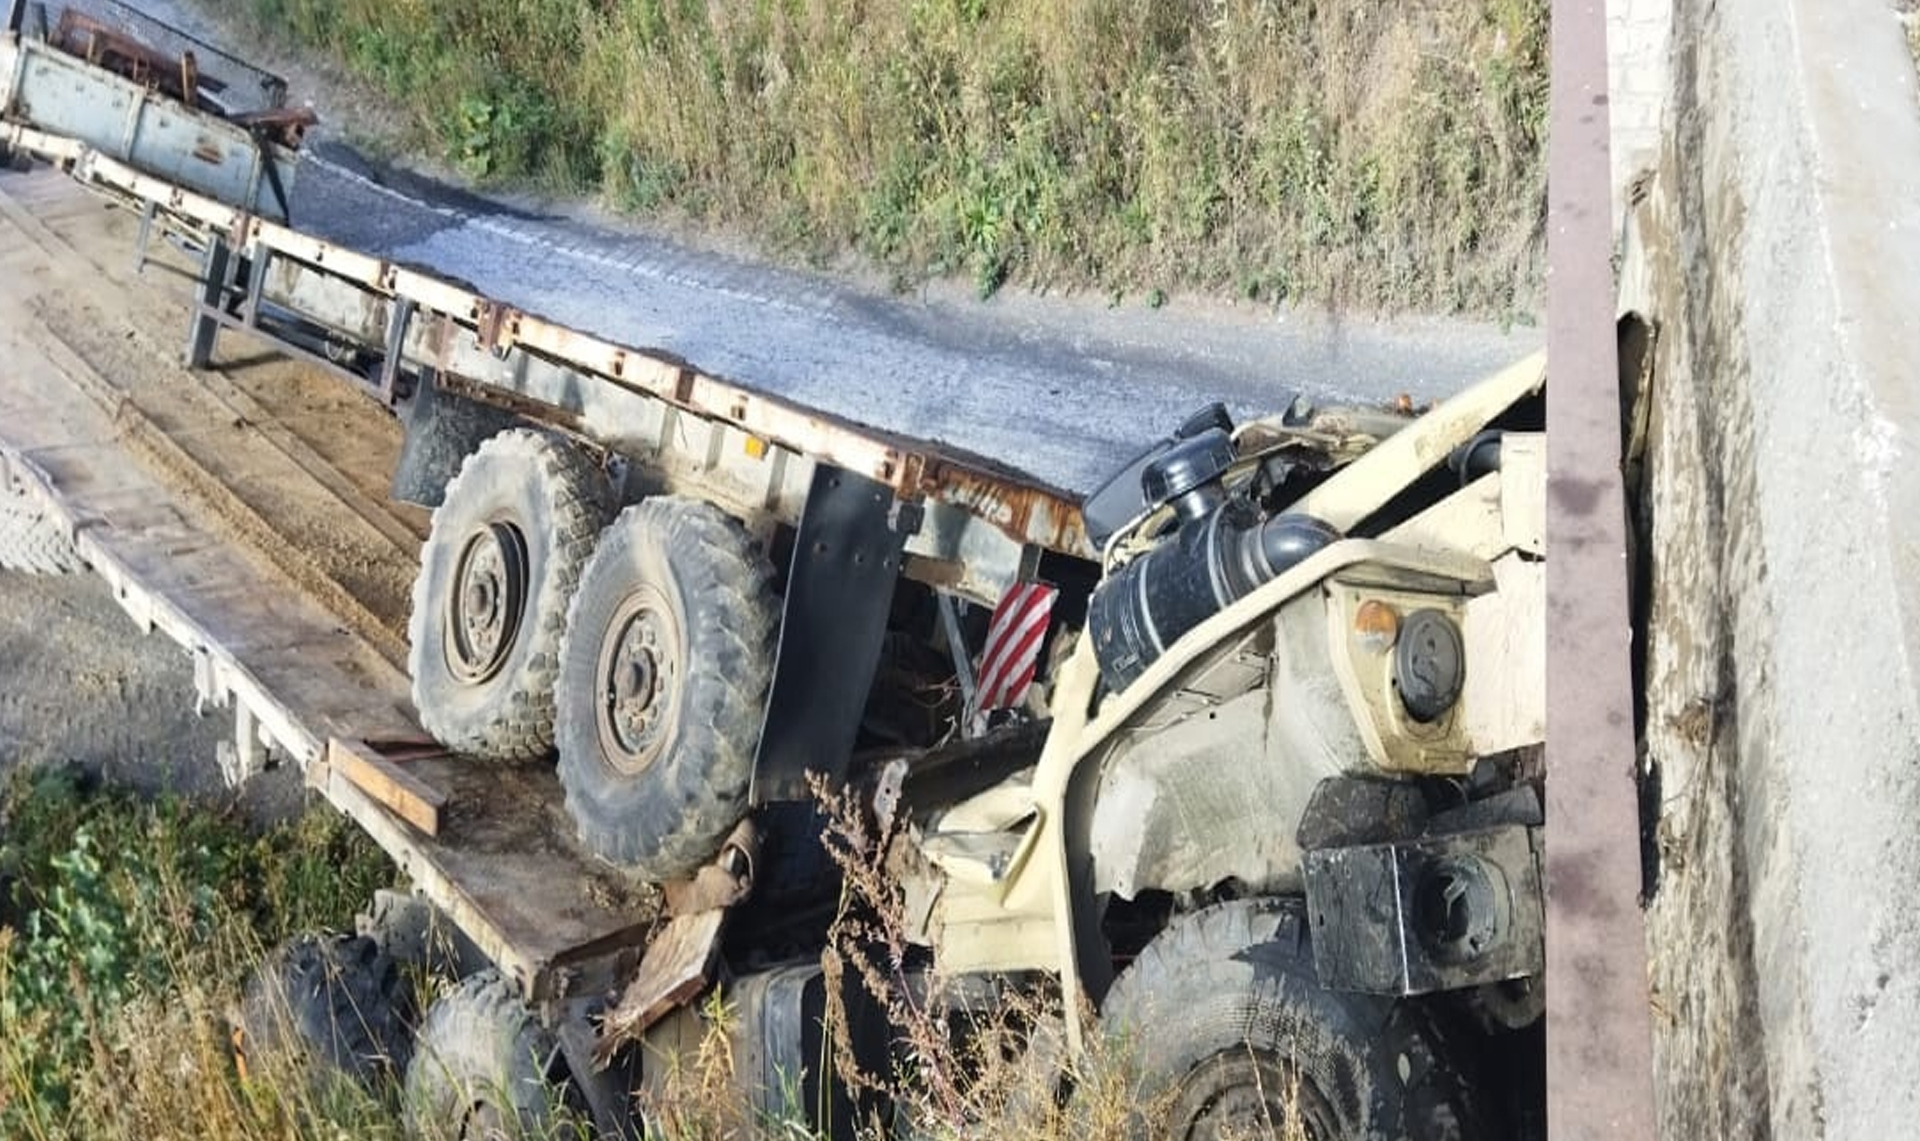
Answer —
(1337, 151)
(125, 929)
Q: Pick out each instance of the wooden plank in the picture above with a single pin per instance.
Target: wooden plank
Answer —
(505, 870)
(402, 793)
(678, 966)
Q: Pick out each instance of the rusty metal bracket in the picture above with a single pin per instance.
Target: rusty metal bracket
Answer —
(497, 328)
(726, 880)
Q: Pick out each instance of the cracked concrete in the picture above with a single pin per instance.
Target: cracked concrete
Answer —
(1783, 260)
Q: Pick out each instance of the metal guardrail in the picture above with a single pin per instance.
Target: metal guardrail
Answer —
(1599, 1026)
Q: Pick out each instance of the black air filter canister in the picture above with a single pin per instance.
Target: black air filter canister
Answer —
(1206, 566)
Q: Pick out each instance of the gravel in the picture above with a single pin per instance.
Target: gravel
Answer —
(81, 685)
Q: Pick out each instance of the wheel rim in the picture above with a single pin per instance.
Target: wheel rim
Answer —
(487, 602)
(1250, 1093)
(638, 682)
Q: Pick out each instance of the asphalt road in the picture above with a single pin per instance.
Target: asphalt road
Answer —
(1061, 388)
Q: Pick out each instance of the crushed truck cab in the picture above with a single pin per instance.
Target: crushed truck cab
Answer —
(1281, 746)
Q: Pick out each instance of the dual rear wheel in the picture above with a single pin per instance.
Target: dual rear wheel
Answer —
(663, 685)
(641, 648)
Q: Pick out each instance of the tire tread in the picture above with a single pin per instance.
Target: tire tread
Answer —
(696, 793)
(1258, 951)
(338, 999)
(478, 1037)
(517, 724)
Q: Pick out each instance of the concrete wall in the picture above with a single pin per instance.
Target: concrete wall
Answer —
(1780, 251)
(1639, 34)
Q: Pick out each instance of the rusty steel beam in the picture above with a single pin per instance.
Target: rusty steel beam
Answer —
(1026, 511)
(1599, 1031)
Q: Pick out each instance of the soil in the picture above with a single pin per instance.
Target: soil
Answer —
(79, 684)
(290, 460)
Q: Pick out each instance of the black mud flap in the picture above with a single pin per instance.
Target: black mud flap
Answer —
(846, 559)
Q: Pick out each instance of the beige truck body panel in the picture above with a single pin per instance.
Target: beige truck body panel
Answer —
(1265, 698)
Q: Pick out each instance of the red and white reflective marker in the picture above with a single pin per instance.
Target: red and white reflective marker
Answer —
(1007, 664)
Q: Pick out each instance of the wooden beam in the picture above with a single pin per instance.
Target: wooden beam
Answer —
(677, 967)
(396, 789)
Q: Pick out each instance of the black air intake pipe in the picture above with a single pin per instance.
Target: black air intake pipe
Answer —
(1222, 551)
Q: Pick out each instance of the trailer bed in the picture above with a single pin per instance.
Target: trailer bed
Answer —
(114, 469)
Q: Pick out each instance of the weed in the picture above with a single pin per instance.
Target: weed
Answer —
(974, 1058)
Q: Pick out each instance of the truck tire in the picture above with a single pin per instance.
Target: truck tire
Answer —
(334, 1005)
(418, 936)
(484, 1068)
(663, 685)
(1231, 1032)
(490, 604)
(32, 541)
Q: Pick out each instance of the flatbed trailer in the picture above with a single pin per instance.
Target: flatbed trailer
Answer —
(393, 331)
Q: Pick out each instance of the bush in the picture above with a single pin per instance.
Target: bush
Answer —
(127, 926)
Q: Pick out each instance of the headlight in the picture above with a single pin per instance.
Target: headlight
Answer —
(1429, 664)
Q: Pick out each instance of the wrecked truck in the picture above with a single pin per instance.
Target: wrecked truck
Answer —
(1237, 758)
(1270, 818)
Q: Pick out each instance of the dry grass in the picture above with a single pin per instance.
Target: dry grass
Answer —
(131, 926)
(127, 931)
(1348, 152)
(1001, 1069)
(974, 1070)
